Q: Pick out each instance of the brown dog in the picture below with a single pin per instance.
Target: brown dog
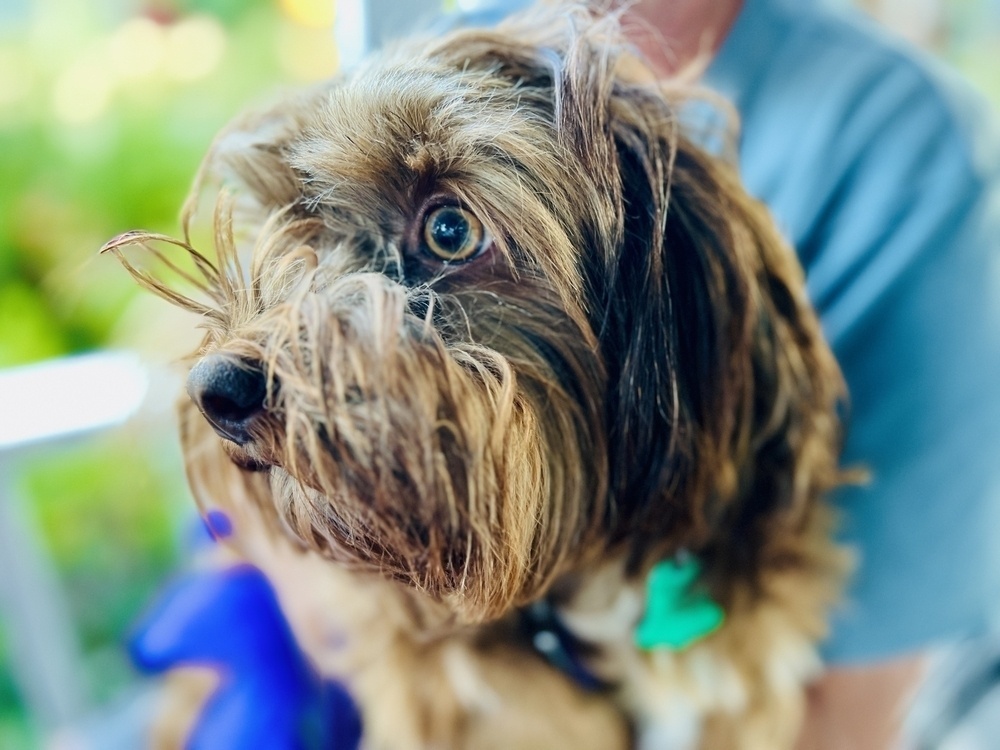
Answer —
(506, 336)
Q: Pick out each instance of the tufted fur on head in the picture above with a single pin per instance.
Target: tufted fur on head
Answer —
(626, 367)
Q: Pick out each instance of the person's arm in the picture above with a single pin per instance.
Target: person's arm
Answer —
(861, 708)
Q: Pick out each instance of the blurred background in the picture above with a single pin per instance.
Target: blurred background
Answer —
(106, 107)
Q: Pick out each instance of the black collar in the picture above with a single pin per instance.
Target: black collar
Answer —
(557, 645)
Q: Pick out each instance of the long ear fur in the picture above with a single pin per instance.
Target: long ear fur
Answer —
(723, 394)
(725, 398)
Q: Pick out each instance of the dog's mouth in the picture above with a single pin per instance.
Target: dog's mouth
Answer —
(245, 460)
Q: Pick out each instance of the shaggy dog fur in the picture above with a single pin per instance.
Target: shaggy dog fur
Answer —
(513, 337)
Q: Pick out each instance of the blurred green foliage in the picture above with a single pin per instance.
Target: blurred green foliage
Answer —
(97, 138)
(973, 41)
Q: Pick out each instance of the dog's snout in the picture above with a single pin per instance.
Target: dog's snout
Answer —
(230, 393)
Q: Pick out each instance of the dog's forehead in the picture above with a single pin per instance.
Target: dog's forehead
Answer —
(395, 125)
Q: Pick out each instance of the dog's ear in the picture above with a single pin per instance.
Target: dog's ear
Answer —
(723, 394)
(249, 158)
(247, 206)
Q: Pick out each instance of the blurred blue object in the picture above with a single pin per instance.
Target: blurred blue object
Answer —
(268, 697)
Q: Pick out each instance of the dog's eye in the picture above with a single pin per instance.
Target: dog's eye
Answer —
(453, 234)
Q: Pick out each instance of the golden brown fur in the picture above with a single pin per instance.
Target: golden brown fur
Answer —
(629, 370)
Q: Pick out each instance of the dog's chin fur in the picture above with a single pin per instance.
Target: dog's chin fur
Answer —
(627, 369)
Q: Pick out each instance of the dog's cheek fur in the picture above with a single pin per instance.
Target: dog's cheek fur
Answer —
(447, 466)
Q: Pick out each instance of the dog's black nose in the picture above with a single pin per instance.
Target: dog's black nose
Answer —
(230, 393)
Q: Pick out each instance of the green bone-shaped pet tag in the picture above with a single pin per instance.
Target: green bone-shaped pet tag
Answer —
(677, 614)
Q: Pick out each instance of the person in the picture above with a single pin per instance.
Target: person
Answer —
(883, 170)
